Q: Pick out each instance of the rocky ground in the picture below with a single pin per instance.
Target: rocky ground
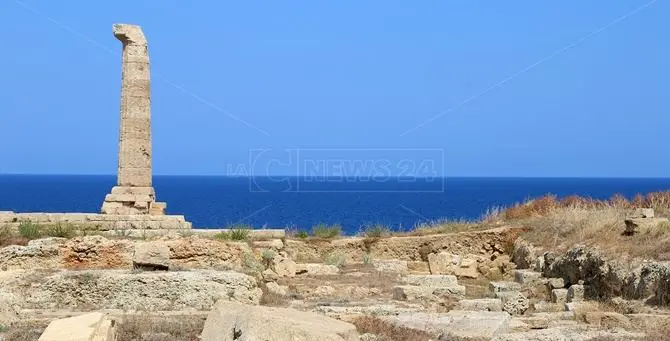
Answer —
(488, 284)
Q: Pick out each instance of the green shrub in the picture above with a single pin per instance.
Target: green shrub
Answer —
(5, 234)
(29, 230)
(367, 259)
(222, 236)
(302, 234)
(326, 231)
(61, 230)
(376, 231)
(3, 328)
(267, 256)
(240, 233)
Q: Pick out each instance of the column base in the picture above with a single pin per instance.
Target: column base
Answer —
(132, 201)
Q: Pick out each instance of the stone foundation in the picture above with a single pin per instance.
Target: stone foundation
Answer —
(99, 222)
(132, 200)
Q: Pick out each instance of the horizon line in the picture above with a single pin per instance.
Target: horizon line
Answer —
(354, 177)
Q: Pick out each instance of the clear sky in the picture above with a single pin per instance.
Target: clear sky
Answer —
(509, 88)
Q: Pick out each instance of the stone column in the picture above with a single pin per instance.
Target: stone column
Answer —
(134, 193)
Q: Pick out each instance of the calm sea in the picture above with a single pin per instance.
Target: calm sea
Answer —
(301, 202)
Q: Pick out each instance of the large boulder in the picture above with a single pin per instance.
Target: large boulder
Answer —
(230, 321)
(151, 256)
(637, 225)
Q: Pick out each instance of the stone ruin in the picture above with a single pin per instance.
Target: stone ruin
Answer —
(134, 193)
(131, 204)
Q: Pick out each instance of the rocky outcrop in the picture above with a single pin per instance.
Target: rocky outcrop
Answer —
(98, 252)
(118, 289)
(606, 277)
(524, 254)
(230, 321)
(151, 256)
(487, 243)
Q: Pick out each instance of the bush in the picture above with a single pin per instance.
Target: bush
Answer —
(61, 230)
(326, 231)
(267, 256)
(240, 233)
(222, 236)
(29, 230)
(302, 234)
(376, 231)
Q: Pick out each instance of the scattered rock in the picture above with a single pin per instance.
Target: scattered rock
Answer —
(607, 319)
(555, 283)
(314, 269)
(642, 213)
(276, 289)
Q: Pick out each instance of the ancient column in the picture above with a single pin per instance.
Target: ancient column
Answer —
(134, 193)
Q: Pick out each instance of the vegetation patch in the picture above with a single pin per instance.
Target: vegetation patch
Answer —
(389, 332)
(326, 231)
(144, 327)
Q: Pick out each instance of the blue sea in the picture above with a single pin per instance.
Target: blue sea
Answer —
(278, 202)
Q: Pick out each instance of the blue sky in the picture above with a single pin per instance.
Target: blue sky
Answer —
(514, 88)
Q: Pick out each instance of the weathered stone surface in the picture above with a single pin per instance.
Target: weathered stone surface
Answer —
(524, 254)
(527, 277)
(445, 263)
(412, 292)
(284, 266)
(570, 333)
(642, 213)
(276, 289)
(607, 319)
(391, 266)
(559, 296)
(636, 225)
(481, 304)
(475, 325)
(502, 286)
(151, 256)
(314, 269)
(134, 193)
(513, 302)
(41, 253)
(576, 293)
(431, 280)
(555, 283)
(230, 321)
(118, 289)
(79, 328)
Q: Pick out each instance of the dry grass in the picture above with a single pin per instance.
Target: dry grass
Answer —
(144, 327)
(25, 331)
(389, 332)
(272, 299)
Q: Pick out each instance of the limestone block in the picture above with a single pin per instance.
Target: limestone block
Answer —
(284, 266)
(555, 283)
(535, 322)
(151, 256)
(607, 319)
(481, 304)
(559, 296)
(78, 328)
(637, 225)
(411, 293)
(273, 244)
(276, 289)
(230, 321)
(502, 286)
(576, 293)
(513, 302)
(431, 280)
(443, 263)
(475, 325)
(314, 269)
(391, 266)
(642, 213)
(527, 277)
(134, 190)
(450, 291)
